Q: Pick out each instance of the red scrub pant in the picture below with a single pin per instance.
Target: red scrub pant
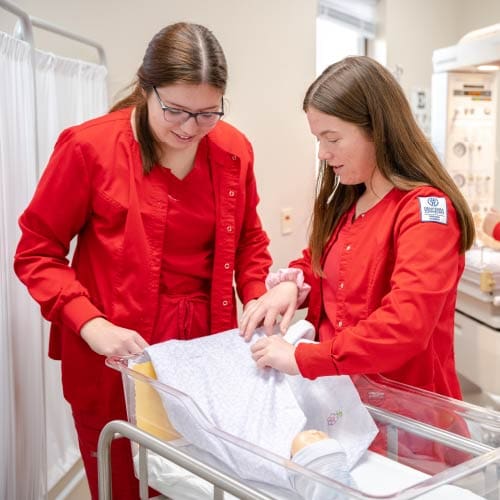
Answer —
(180, 317)
(125, 486)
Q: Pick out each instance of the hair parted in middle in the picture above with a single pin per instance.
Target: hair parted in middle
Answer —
(179, 53)
(361, 91)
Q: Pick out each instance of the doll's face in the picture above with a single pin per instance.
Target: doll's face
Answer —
(306, 438)
(176, 129)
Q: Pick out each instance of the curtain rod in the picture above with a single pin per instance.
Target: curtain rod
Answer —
(40, 23)
(24, 29)
(24, 19)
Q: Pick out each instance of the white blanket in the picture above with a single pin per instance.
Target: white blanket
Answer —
(227, 392)
(374, 475)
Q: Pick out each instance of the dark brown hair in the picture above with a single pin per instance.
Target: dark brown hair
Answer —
(179, 53)
(361, 91)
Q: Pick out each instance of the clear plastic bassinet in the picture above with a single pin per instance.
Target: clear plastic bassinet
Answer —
(428, 446)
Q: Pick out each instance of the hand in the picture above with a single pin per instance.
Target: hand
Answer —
(491, 219)
(281, 299)
(105, 338)
(276, 353)
(248, 304)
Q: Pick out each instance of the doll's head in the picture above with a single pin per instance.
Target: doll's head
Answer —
(306, 438)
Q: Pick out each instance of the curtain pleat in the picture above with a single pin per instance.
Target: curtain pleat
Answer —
(37, 441)
(68, 92)
(22, 457)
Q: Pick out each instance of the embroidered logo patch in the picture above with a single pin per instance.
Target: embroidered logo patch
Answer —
(433, 209)
(334, 417)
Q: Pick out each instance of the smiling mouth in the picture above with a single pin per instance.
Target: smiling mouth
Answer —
(183, 138)
(337, 167)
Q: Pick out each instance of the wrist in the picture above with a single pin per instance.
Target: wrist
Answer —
(292, 274)
(92, 324)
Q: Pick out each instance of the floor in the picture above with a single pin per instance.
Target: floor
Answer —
(81, 492)
(473, 394)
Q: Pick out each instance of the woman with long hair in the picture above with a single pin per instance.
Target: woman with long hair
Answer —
(386, 249)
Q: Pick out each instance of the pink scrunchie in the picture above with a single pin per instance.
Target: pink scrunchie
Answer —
(290, 274)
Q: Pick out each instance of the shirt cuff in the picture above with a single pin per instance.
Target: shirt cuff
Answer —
(78, 311)
(496, 232)
(253, 290)
(290, 274)
(315, 360)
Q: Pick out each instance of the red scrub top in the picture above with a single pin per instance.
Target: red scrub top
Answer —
(387, 303)
(187, 262)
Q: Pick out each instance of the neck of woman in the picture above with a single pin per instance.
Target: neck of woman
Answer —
(375, 192)
(180, 163)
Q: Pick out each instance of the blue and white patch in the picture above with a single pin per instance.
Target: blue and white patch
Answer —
(433, 209)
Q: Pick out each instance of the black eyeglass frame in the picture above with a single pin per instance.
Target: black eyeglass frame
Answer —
(190, 114)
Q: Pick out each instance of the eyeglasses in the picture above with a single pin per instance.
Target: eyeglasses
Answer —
(180, 116)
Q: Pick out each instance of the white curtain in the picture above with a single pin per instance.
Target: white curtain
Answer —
(22, 457)
(37, 440)
(68, 92)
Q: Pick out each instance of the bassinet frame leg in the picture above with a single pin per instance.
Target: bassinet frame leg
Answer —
(218, 493)
(143, 473)
(120, 428)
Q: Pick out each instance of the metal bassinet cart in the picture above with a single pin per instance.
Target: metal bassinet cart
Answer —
(428, 446)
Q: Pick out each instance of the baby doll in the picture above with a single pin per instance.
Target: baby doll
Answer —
(317, 452)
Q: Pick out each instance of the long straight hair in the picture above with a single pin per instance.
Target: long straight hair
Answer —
(179, 53)
(361, 91)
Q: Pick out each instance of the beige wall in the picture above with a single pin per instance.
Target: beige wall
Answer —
(270, 47)
(413, 29)
(475, 15)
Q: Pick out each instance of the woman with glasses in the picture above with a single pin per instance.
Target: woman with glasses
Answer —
(386, 250)
(162, 197)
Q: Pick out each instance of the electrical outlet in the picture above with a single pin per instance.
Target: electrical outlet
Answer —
(286, 221)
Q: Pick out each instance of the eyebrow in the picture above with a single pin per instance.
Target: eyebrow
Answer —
(171, 104)
(202, 110)
(326, 132)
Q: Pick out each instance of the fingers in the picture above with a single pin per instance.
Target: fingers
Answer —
(107, 339)
(259, 350)
(140, 342)
(281, 299)
(270, 320)
(274, 352)
(128, 342)
(249, 303)
(287, 318)
(260, 317)
(250, 320)
(263, 363)
(256, 314)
